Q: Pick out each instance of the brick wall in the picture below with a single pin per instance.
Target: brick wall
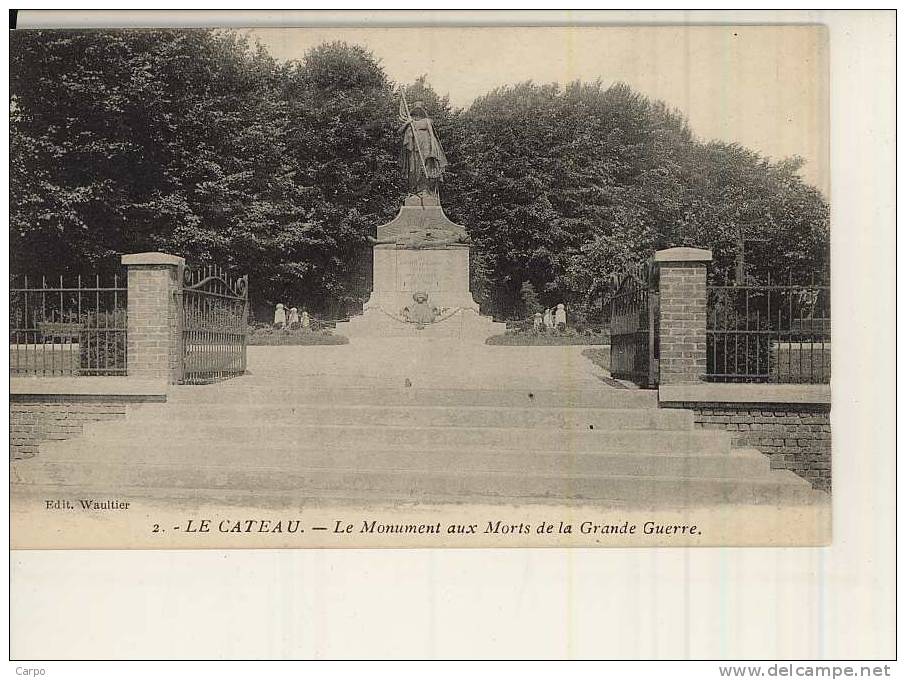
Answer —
(796, 437)
(683, 306)
(153, 322)
(39, 419)
(174, 325)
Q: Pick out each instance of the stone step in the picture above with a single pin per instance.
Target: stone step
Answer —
(261, 435)
(741, 463)
(127, 479)
(188, 416)
(246, 391)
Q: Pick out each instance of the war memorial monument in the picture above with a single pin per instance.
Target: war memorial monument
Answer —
(421, 258)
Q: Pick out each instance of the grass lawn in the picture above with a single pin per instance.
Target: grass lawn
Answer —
(599, 356)
(276, 337)
(546, 340)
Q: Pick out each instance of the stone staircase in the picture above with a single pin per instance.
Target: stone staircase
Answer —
(602, 446)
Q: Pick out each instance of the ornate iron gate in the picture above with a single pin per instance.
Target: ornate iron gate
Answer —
(634, 328)
(215, 318)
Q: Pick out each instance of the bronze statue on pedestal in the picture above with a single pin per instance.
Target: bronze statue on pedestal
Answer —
(421, 157)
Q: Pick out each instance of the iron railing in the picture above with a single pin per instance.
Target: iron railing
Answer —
(632, 301)
(775, 333)
(215, 321)
(59, 330)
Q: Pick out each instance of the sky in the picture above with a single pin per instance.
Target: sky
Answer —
(764, 87)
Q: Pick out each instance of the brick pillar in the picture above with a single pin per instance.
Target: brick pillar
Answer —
(683, 275)
(155, 316)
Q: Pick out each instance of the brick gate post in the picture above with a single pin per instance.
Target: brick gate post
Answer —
(683, 275)
(154, 316)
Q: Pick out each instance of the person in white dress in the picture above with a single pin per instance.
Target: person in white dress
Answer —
(560, 317)
(548, 319)
(279, 316)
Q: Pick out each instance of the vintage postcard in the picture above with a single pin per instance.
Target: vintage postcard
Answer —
(420, 287)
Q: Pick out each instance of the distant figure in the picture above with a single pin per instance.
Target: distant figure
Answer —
(306, 321)
(293, 317)
(279, 317)
(538, 322)
(560, 317)
(548, 319)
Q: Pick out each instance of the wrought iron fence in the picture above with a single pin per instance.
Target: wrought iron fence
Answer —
(634, 336)
(58, 330)
(215, 325)
(777, 332)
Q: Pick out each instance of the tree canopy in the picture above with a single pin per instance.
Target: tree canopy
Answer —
(197, 143)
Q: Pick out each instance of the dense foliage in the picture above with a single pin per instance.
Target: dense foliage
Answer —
(198, 144)
(564, 186)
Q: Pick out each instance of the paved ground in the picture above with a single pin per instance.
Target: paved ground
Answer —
(424, 362)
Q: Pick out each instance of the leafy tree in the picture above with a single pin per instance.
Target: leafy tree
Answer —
(565, 186)
(529, 299)
(137, 140)
(342, 141)
(195, 143)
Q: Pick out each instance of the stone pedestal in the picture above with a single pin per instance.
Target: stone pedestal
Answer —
(442, 273)
(421, 250)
